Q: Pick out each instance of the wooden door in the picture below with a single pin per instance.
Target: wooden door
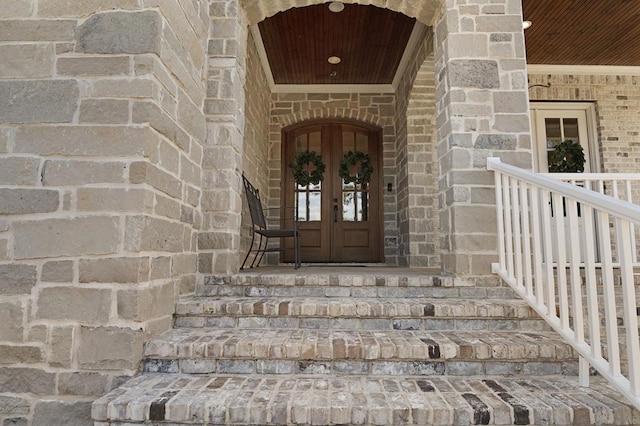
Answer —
(339, 219)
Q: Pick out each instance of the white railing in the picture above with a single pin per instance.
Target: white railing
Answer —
(556, 246)
(623, 186)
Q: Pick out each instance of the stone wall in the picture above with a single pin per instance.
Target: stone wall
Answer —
(219, 242)
(255, 161)
(617, 103)
(417, 181)
(100, 148)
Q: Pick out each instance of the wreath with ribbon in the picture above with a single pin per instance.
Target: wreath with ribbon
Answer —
(300, 169)
(349, 170)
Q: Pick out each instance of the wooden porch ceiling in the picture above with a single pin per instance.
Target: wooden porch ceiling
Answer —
(371, 41)
(368, 40)
(583, 32)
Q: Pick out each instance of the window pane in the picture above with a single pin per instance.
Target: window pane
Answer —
(571, 129)
(301, 206)
(554, 133)
(314, 206)
(363, 206)
(348, 207)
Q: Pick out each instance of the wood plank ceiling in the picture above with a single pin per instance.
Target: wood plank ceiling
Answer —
(371, 41)
(583, 32)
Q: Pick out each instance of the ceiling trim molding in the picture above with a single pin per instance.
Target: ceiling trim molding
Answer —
(419, 29)
(582, 69)
(332, 88)
(262, 53)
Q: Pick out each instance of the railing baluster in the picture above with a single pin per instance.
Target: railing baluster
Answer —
(590, 281)
(537, 248)
(576, 287)
(634, 251)
(548, 254)
(500, 209)
(526, 237)
(517, 239)
(508, 234)
(609, 294)
(561, 260)
(629, 302)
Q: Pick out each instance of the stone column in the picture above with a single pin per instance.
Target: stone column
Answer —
(219, 243)
(101, 133)
(482, 111)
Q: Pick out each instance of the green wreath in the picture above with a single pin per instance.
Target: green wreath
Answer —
(301, 175)
(350, 161)
(567, 157)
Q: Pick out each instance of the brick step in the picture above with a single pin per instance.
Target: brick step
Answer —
(356, 313)
(275, 290)
(356, 400)
(342, 276)
(364, 352)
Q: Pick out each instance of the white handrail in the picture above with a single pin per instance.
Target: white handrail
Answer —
(550, 234)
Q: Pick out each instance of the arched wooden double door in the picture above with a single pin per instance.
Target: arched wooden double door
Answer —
(339, 220)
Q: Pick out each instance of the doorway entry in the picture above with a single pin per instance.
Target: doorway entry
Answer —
(339, 217)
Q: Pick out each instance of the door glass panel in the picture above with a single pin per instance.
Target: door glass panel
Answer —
(309, 197)
(348, 207)
(355, 196)
(314, 205)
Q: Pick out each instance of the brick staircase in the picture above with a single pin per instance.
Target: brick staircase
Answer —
(375, 346)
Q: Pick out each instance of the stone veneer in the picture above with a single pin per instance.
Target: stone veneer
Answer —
(122, 140)
(482, 111)
(256, 157)
(617, 104)
(417, 189)
(101, 134)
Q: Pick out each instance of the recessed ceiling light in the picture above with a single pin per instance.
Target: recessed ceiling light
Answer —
(334, 60)
(336, 6)
(526, 24)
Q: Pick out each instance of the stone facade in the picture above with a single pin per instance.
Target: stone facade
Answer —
(125, 127)
(101, 135)
(617, 104)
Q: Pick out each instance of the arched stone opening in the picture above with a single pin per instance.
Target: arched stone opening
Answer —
(378, 112)
(288, 109)
(423, 10)
(476, 71)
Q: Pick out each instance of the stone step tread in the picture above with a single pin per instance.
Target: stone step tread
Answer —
(273, 290)
(219, 399)
(357, 345)
(353, 307)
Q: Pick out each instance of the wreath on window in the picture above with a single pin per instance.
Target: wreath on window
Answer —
(302, 172)
(356, 167)
(567, 157)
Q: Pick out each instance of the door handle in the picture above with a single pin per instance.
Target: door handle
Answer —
(335, 213)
